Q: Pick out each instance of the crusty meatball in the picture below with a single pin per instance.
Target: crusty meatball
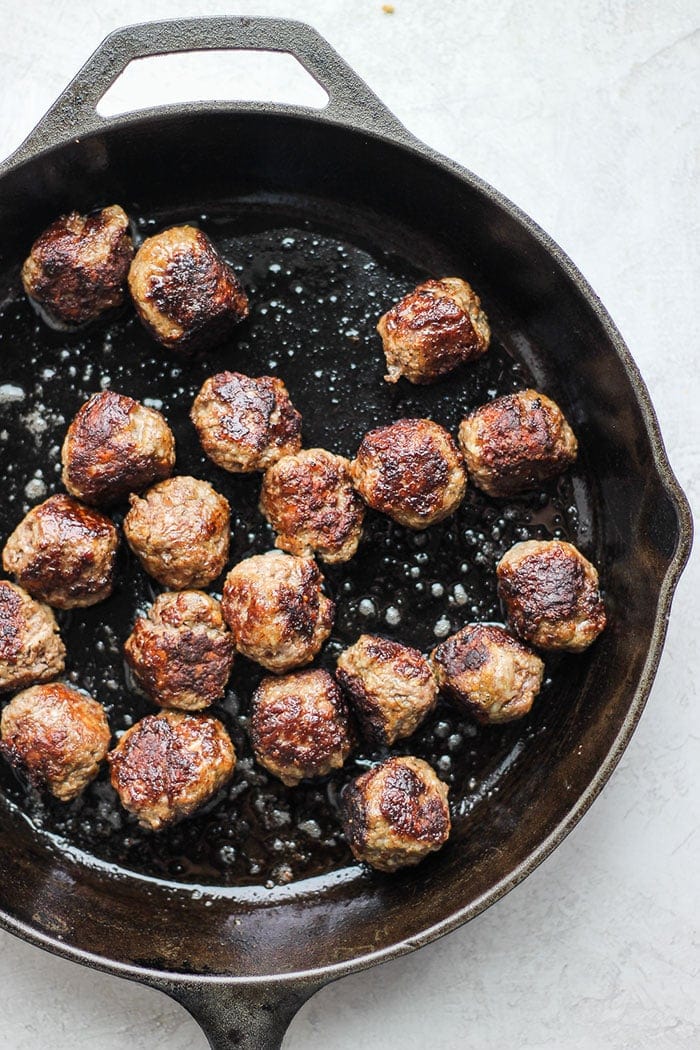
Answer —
(245, 424)
(181, 653)
(515, 442)
(57, 735)
(486, 670)
(115, 446)
(396, 814)
(63, 553)
(390, 687)
(299, 726)
(31, 649)
(410, 470)
(310, 502)
(77, 268)
(550, 595)
(168, 765)
(277, 612)
(432, 330)
(179, 530)
(186, 295)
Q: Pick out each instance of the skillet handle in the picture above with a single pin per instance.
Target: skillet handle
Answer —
(74, 112)
(242, 1017)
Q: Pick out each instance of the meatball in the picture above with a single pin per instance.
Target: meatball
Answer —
(115, 446)
(180, 532)
(77, 268)
(57, 735)
(31, 649)
(550, 594)
(63, 553)
(410, 470)
(168, 765)
(515, 442)
(486, 670)
(432, 330)
(277, 612)
(245, 424)
(299, 726)
(396, 814)
(186, 295)
(390, 687)
(181, 653)
(310, 502)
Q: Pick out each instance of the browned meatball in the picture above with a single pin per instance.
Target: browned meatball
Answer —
(168, 765)
(515, 442)
(181, 653)
(63, 553)
(390, 687)
(115, 446)
(31, 649)
(185, 294)
(245, 424)
(57, 735)
(299, 726)
(432, 330)
(180, 532)
(410, 470)
(486, 670)
(77, 268)
(396, 814)
(277, 612)
(550, 594)
(309, 500)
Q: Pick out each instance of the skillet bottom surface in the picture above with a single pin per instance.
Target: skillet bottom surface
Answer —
(318, 281)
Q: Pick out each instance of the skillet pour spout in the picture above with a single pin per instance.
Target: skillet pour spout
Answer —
(345, 183)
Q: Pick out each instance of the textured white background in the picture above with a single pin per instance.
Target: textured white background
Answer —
(586, 115)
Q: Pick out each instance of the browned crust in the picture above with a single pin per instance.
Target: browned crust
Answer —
(104, 460)
(31, 649)
(244, 423)
(410, 470)
(515, 442)
(309, 500)
(63, 553)
(77, 268)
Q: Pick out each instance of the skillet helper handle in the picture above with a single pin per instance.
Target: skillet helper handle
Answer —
(239, 1017)
(75, 111)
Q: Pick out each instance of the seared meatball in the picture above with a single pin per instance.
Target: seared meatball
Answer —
(77, 268)
(432, 330)
(550, 594)
(410, 470)
(115, 446)
(180, 532)
(486, 670)
(245, 424)
(57, 735)
(63, 553)
(515, 442)
(181, 653)
(390, 687)
(396, 814)
(168, 765)
(277, 612)
(309, 500)
(299, 726)
(185, 294)
(31, 649)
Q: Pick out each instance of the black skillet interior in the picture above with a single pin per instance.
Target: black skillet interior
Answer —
(326, 227)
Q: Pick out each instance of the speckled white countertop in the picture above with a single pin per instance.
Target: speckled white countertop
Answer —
(586, 115)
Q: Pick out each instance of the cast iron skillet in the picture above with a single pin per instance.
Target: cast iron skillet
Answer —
(329, 215)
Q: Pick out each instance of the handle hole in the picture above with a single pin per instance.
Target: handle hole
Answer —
(206, 76)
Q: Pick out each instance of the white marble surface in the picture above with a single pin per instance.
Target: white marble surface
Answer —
(585, 114)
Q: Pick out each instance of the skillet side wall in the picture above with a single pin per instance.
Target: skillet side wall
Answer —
(178, 161)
